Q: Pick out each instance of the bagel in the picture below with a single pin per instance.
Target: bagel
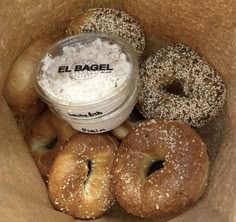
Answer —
(180, 85)
(19, 89)
(161, 169)
(46, 138)
(80, 177)
(121, 131)
(110, 21)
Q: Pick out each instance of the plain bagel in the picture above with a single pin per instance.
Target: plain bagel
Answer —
(19, 89)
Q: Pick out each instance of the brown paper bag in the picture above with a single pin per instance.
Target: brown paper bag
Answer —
(207, 26)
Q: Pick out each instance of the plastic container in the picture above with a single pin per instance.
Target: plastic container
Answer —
(85, 113)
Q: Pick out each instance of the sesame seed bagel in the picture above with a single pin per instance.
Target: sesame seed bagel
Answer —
(79, 181)
(180, 85)
(47, 136)
(111, 21)
(161, 168)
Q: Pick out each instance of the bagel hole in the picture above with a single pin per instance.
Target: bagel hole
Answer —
(155, 165)
(51, 143)
(89, 166)
(175, 88)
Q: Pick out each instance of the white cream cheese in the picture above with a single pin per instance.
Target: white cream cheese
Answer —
(85, 72)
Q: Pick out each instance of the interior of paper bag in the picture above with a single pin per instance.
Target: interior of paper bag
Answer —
(207, 26)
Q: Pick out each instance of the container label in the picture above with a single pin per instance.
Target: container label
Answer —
(85, 69)
(86, 115)
(93, 130)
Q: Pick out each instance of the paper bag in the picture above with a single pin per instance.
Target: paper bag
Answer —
(207, 26)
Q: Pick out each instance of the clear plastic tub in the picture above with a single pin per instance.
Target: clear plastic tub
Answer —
(109, 121)
(85, 109)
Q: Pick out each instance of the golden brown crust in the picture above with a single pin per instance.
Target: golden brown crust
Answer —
(19, 89)
(80, 177)
(171, 189)
(46, 130)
